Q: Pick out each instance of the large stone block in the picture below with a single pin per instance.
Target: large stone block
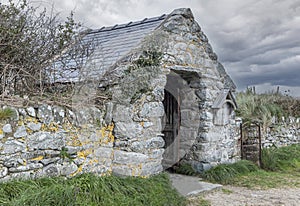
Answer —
(24, 168)
(67, 168)
(34, 126)
(152, 109)
(127, 130)
(129, 158)
(13, 146)
(103, 152)
(20, 132)
(151, 168)
(125, 170)
(122, 113)
(46, 140)
(45, 114)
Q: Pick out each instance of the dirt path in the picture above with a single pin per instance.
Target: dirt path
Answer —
(239, 196)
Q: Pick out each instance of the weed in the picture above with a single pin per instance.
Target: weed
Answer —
(226, 191)
(6, 113)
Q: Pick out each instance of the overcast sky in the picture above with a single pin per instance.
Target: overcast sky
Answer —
(258, 41)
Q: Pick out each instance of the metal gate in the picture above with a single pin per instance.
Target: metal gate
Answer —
(251, 142)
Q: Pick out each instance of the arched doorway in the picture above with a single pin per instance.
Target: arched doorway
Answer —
(182, 115)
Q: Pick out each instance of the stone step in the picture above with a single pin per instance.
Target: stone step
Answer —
(190, 185)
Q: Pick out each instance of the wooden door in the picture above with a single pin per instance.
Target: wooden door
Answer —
(170, 131)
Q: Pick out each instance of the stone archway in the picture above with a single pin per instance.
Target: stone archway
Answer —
(182, 116)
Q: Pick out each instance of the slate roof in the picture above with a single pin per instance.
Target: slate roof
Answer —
(111, 44)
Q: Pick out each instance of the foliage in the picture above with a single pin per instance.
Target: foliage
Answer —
(149, 58)
(281, 167)
(262, 108)
(262, 179)
(6, 113)
(185, 169)
(89, 190)
(282, 158)
(224, 173)
(30, 42)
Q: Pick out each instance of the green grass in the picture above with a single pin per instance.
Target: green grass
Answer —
(91, 190)
(184, 169)
(6, 113)
(281, 168)
(282, 158)
(265, 180)
(225, 173)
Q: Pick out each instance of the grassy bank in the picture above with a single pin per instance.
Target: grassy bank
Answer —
(89, 190)
(281, 168)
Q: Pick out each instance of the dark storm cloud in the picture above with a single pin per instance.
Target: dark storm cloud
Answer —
(257, 41)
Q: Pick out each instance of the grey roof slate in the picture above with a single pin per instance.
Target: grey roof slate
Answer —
(111, 44)
(225, 95)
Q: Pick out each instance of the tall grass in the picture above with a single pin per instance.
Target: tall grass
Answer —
(282, 158)
(263, 107)
(225, 173)
(89, 190)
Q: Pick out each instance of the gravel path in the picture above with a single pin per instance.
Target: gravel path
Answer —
(239, 196)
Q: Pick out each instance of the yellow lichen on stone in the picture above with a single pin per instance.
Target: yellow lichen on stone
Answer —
(53, 127)
(84, 153)
(44, 127)
(1, 131)
(77, 171)
(29, 131)
(24, 162)
(107, 134)
(74, 141)
(38, 158)
(93, 161)
(20, 123)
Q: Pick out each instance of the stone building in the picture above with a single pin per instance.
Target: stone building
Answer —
(166, 99)
(171, 99)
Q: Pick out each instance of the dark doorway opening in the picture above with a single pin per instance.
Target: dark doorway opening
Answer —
(171, 123)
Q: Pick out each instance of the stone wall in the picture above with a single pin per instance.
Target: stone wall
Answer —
(49, 141)
(188, 51)
(282, 133)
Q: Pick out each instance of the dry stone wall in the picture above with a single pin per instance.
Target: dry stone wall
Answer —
(49, 141)
(282, 133)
